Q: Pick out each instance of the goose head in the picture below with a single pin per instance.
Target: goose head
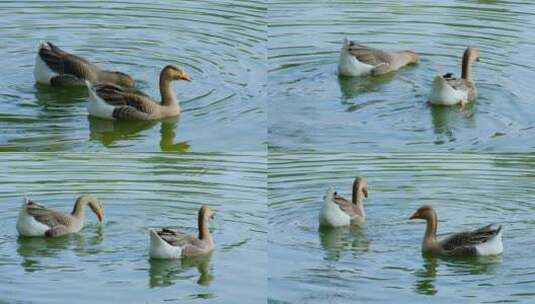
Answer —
(206, 213)
(173, 72)
(412, 57)
(361, 185)
(95, 205)
(470, 55)
(425, 212)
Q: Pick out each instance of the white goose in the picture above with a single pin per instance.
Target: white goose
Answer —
(338, 211)
(448, 90)
(173, 244)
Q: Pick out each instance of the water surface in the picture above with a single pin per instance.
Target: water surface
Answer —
(383, 261)
(310, 107)
(221, 44)
(110, 261)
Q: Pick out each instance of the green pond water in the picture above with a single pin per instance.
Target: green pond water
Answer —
(382, 263)
(311, 108)
(109, 262)
(221, 44)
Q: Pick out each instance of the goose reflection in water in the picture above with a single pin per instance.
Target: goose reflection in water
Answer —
(446, 119)
(33, 249)
(108, 132)
(166, 272)
(336, 241)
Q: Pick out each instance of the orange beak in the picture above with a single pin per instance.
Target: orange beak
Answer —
(185, 77)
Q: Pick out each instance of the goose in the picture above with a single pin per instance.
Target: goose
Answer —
(54, 66)
(38, 220)
(110, 101)
(484, 241)
(172, 244)
(338, 211)
(360, 60)
(448, 90)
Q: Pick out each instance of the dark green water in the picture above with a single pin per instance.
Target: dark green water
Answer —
(382, 262)
(110, 261)
(220, 44)
(311, 108)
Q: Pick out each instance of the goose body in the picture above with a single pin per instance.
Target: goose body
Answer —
(38, 220)
(54, 66)
(110, 101)
(338, 211)
(485, 241)
(173, 244)
(360, 60)
(447, 90)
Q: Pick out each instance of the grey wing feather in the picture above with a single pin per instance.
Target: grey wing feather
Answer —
(128, 105)
(176, 238)
(65, 63)
(46, 216)
(345, 205)
(369, 55)
(462, 85)
(471, 238)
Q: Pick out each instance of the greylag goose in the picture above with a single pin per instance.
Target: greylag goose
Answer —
(172, 244)
(338, 211)
(480, 242)
(38, 220)
(56, 67)
(360, 60)
(448, 90)
(110, 101)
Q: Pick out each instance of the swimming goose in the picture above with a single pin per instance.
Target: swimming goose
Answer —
(56, 67)
(338, 211)
(480, 242)
(173, 244)
(448, 90)
(38, 220)
(110, 101)
(360, 60)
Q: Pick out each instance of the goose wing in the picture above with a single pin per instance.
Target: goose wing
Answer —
(62, 62)
(345, 205)
(468, 240)
(369, 55)
(128, 104)
(46, 216)
(460, 84)
(176, 238)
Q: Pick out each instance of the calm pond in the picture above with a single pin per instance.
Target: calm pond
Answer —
(383, 261)
(389, 113)
(110, 261)
(220, 44)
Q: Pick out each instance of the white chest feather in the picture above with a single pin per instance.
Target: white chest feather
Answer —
(350, 66)
(493, 246)
(332, 216)
(42, 72)
(28, 226)
(97, 106)
(444, 94)
(160, 249)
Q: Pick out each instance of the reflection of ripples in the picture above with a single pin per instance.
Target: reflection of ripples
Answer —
(385, 259)
(304, 43)
(221, 47)
(164, 273)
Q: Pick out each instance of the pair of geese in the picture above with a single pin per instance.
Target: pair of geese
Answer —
(112, 94)
(359, 60)
(36, 220)
(338, 211)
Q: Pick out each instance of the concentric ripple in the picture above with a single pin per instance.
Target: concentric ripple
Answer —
(383, 261)
(138, 192)
(389, 113)
(221, 45)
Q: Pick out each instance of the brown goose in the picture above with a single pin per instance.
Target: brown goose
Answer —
(360, 60)
(56, 67)
(173, 244)
(338, 211)
(110, 101)
(480, 242)
(448, 90)
(38, 220)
